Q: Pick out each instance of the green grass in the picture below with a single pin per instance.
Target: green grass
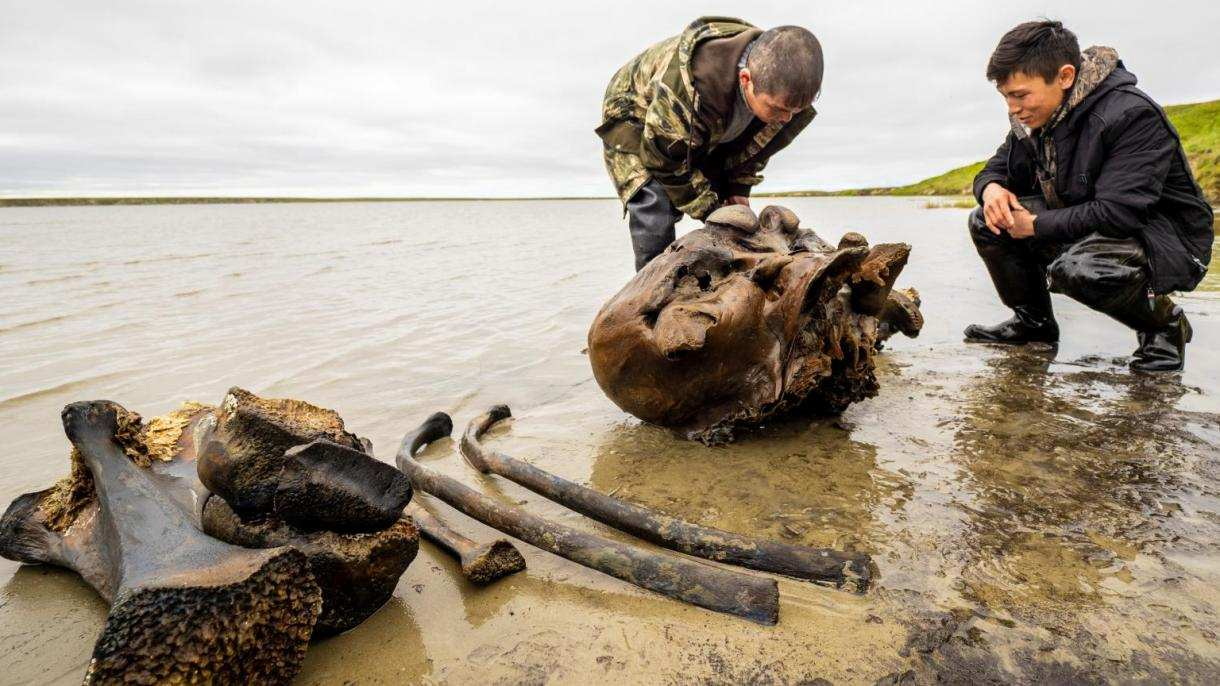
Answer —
(1198, 125)
(958, 181)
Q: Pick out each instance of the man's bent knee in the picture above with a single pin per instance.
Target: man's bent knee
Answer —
(1097, 270)
(977, 223)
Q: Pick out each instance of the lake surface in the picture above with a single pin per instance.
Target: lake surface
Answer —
(1035, 515)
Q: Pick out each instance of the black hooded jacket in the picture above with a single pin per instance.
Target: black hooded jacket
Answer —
(1122, 172)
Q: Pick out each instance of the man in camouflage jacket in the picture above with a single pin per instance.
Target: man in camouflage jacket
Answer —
(689, 124)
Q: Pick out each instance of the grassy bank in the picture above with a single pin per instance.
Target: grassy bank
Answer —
(1198, 124)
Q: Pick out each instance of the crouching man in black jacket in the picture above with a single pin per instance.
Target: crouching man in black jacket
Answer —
(1090, 196)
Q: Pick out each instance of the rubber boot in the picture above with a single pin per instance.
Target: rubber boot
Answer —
(1020, 281)
(1163, 349)
(1026, 326)
(651, 218)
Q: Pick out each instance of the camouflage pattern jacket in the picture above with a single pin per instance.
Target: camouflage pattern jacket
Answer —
(655, 126)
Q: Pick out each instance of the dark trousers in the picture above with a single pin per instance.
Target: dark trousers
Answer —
(1109, 275)
(651, 218)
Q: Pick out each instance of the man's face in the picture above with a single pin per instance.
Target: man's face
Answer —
(1032, 99)
(769, 108)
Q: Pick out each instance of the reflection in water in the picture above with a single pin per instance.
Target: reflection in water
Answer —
(795, 482)
(331, 660)
(1073, 475)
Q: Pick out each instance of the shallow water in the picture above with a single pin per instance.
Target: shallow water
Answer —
(1035, 516)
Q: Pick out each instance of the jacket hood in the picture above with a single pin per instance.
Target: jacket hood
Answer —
(698, 31)
(1118, 78)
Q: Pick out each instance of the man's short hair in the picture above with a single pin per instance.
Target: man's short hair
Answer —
(786, 62)
(1035, 47)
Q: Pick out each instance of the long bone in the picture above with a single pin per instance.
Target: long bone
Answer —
(482, 563)
(817, 564)
(184, 606)
(752, 597)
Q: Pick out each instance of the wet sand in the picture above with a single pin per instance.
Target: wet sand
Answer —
(1035, 515)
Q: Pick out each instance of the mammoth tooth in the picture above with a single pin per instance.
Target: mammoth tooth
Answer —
(739, 217)
(340, 507)
(776, 218)
(184, 606)
(356, 573)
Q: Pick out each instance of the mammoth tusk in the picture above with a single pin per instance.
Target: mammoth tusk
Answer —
(752, 597)
(816, 564)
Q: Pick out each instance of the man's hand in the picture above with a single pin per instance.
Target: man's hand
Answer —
(1022, 224)
(998, 206)
(736, 200)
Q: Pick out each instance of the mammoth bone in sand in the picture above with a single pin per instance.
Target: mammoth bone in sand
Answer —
(223, 538)
(747, 318)
(815, 564)
(753, 597)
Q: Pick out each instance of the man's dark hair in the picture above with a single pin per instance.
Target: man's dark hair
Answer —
(1035, 47)
(786, 62)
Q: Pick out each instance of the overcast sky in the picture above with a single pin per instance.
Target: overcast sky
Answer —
(494, 98)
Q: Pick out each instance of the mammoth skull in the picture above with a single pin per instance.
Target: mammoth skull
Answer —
(748, 317)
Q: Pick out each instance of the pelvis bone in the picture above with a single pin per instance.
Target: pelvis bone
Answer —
(749, 317)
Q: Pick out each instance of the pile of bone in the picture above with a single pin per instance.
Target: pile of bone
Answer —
(224, 538)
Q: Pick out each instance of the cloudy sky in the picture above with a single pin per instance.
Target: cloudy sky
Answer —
(494, 98)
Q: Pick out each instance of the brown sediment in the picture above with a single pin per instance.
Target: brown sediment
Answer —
(293, 416)
(819, 564)
(163, 433)
(752, 597)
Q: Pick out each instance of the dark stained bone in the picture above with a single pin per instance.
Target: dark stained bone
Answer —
(747, 318)
(329, 499)
(184, 606)
(255, 433)
(820, 564)
(326, 486)
(901, 313)
(356, 573)
(482, 563)
(871, 285)
(752, 597)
